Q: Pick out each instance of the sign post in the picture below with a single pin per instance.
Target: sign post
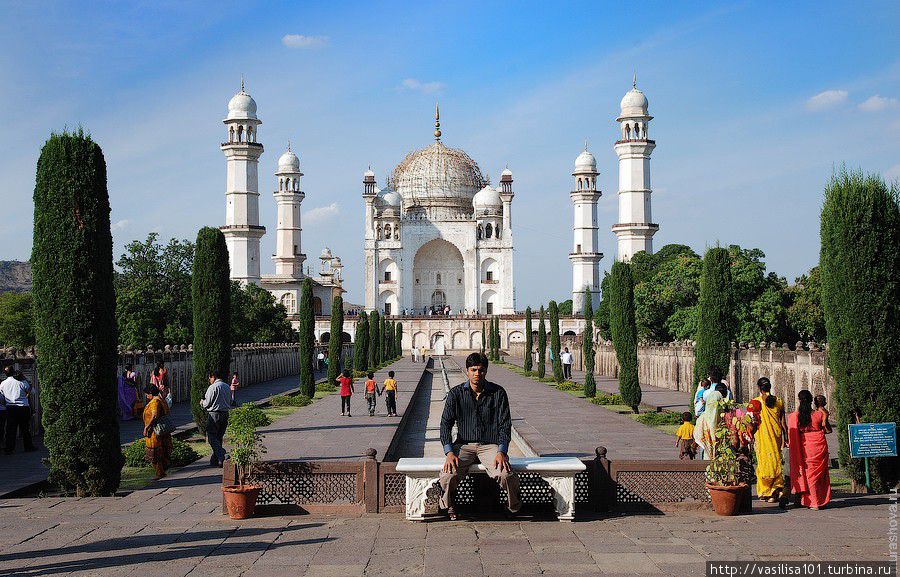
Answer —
(872, 440)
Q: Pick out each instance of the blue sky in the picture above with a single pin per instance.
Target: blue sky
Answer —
(754, 105)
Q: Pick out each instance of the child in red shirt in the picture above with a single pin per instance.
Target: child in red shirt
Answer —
(346, 384)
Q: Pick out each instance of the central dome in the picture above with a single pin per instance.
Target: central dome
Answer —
(437, 176)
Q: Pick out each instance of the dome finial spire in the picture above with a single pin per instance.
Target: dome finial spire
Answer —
(634, 80)
(585, 143)
(437, 122)
(289, 145)
(242, 82)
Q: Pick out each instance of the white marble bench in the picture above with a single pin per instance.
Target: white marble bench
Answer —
(558, 472)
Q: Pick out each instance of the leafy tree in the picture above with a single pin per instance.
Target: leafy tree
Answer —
(16, 320)
(716, 328)
(527, 365)
(542, 345)
(554, 342)
(767, 317)
(361, 347)
(153, 293)
(256, 317)
(374, 341)
(587, 346)
(74, 315)
(565, 308)
(805, 314)
(211, 303)
(671, 283)
(860, 274)
(624, 332)
(335, 344)
(307, 339)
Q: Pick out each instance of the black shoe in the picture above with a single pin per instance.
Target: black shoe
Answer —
(452, 514)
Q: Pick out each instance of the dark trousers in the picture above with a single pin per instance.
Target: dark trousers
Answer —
(216, 423)
(370, 399)
(391, 402)
(18, 419)
(345, 402)
(567, 370)
(2, 426)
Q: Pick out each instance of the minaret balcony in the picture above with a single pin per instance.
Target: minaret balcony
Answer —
(635, 226)
(250, 144)
(636, 141)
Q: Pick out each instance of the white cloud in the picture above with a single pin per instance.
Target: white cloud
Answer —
(878, 103)
(322, 213)
(423, 87)
(826, 100)
(304, 42)
(892, 173)
(119, 225)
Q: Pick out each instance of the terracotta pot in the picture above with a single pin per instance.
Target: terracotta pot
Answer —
(240, 500)
(727, 499)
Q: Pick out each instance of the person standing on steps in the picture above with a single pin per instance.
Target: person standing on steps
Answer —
(346, 384)
(390, 387)
(566, 358)
(217, 402)
(480, 411)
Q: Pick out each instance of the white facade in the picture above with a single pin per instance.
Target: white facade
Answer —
(585, 255)
(439, 235)
(635, 228)
(242, 151)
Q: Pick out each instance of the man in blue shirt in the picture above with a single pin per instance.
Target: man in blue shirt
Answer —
(480, 411)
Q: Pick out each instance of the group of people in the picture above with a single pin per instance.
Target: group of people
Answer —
(389, 389)
(566, 358)
(770, 431)
(418, 354)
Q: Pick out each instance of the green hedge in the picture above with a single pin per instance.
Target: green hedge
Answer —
(248, 415)
(608, 399)
(662, 418)
(182, 454)
(290, 401)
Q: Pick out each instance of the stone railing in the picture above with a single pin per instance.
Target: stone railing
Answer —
(671, 366)
(255, 363)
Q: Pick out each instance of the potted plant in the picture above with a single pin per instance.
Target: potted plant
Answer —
(247, 448)
(726, 474)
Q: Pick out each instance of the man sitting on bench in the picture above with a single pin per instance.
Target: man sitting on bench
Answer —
(480, 411)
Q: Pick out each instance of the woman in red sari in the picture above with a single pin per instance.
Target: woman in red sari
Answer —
(809, 454)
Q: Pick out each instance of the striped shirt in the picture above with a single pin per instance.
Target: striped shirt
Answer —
(486, 420)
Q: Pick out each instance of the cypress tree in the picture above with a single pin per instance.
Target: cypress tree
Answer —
(554, 342)
(542, 345)
(211, 304)
(307, 348)
(74, 315)
(624, 332)
(483, 337)
(382, 338)
(587, 346)
(491, 339)
(716, 326)
(499, 344)
(860, 271)
(361, 346)
(335, 344)
(399, 339)
(527, 364)
(374, 326)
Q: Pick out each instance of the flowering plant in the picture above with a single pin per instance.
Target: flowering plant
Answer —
(735, 427)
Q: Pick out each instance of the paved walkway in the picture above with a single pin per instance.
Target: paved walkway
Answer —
(175, 528)
(319, 432)
(553, 422)
(23, 469)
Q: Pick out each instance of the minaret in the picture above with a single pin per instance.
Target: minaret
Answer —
(635, 229)
(242, 151)
(288, 256)
(585, 255)
(370, 191)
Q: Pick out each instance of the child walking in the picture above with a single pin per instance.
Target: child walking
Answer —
(346, 384)
(371, 391)
(685, 438)
(390, 386)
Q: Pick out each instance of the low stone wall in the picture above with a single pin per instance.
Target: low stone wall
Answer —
(671, 366)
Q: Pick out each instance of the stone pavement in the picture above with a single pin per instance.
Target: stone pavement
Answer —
(174, 528)
(20, 469)
(319, 432)
(553, 422)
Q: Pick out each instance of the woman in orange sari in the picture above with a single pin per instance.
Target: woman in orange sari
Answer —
(158, 448)
(770, 438)
(809, 454)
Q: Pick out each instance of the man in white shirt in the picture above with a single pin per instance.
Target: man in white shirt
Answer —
(566, 359)
(321, 358)
(217, 402)
(18, 409)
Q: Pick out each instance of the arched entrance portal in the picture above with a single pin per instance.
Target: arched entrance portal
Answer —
(437, 344)
(438, 276)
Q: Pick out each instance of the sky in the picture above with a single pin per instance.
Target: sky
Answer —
(755, 104)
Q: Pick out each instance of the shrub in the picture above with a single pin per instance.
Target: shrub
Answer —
(290, 401)
(326, 387)
(247, 415)
(74, 315)
(662, 418)
(568, 386)
(247, 447)
(608, 399)
(182, 454)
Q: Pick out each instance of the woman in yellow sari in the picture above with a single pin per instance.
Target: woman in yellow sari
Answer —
(158, 448)
(770, 438)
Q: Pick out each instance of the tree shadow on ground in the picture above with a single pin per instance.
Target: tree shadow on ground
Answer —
(169, 545)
